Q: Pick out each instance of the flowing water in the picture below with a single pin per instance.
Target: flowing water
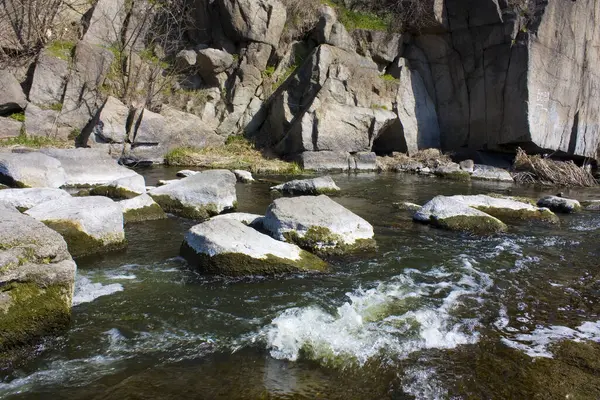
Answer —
(429, 315)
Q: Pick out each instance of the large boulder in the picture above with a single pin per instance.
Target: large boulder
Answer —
(49, 79)
(10, 128)
(141, 208)
(451, 214)
(382, 47)
(228, 247)
(24, 199)
(93, 167)
(112, 124)
(106, 22)
(212, 62)
(31, 170)
(43, 123)
(253, 20)
(559, 204)
(319, 224)
(336, 101)
(88, 224)
(12, 98)
(314, 186)
(198, 196)
(37, 276)
(123, 188)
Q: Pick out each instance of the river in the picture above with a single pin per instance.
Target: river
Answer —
(429, 315)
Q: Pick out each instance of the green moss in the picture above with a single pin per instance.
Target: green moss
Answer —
(20, 116)
(522, 199)
(461, 176)
(174, 206)
(61, 49)
(389, 78)
(32, 141)
(360, 20)
(79, 243)
(481, 225)
(113, 192)
(322, 241)
(235, 264)
(540, 214)
(149, 213)
(33, 312)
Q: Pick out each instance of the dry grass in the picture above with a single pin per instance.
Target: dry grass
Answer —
(431, 158)
(237, 153)
(536, 169)
(35, 142)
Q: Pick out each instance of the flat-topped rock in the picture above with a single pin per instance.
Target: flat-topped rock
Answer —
(123, 188)
(243, 176)
(319, 224)
(227, 247)
(88, 224)
(507, 207)
(37, 276)
(452, 171)
(253, 220)
(87, 167)
(452, 214)
(559, 204)
(28, 170)
(314, 186)
(200, 196)
(24, 199)
(141, 208)
(591, 205)
(488, 173)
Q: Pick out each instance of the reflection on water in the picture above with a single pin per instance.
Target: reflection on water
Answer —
(411, 321)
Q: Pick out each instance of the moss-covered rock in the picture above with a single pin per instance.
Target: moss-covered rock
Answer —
(314, 186)
(322, 241)
(559, 204)
(114, 192)
(141, 208)
(80, 243)
(462, 176)
(508, 208)
(228, 247)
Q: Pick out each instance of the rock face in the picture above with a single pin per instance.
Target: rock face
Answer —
(315, 186)
(447, 213)
(24, 199)
(228, 247)
(199, 196)
(88, 224)
(317, 223)
(37, 276)
(31, 170)
(503, 80)
(49, 79)
(559, 204)
(253, 20)
(141, 208)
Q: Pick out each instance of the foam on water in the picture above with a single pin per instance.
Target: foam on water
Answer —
(421, 382)
(413, 311)
(538, 342)
(86, 291)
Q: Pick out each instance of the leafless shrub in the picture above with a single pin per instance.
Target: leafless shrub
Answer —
(431, 158)
(536, 169)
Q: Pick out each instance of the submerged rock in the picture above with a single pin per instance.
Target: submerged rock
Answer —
(318, 224)
(591, 205)
(243, 176)
(253, 220)
(314, 186)
(224, 246)
(141, 208)
(199, 196)
(37, 277)
(88, 224)
(24, 199)
(31, 170)
(452, 214)
(406, 206)
(559, 204)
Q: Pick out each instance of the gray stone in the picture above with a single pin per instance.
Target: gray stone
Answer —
(559, 204)
(49, 80)
(106, 22)
(184, 173)
(12, 98)
(243, 176)
(253, 20)
(507, 207)
(37, 276)
(330, 31)
(212, 62)
(451, 214)
(122, 188)
(363, 161)
(88, 224)
(10, 128)
(44, 123)
(382, 47)
(31, 170)
(163, 182)
(228, 247)
(111, 125)
(24, 199)
(467, 165)
(186, 59)
(325, 161)
(317, 223)
(485, 172)
(200, 196)
(591, 205)
(314, 186)
(91, 167)
(253, 220)
(141, 208)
